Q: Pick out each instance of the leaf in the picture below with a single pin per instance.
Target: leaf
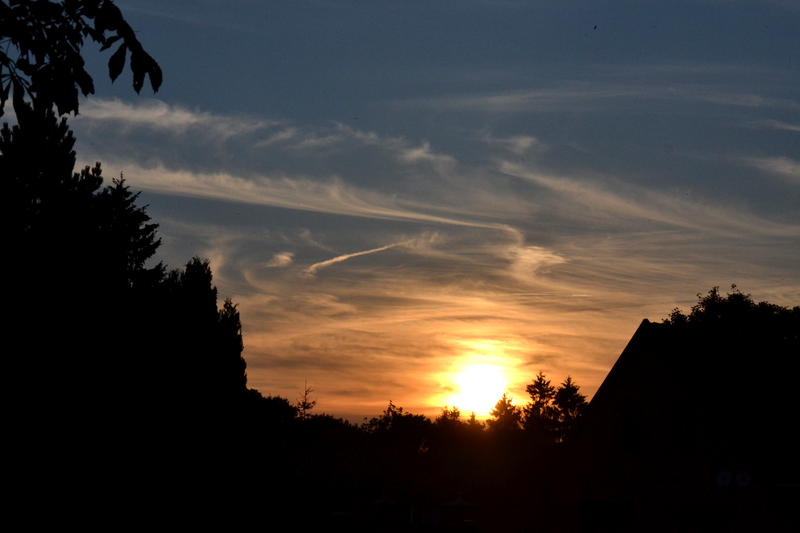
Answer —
(111, 16)
(101, 22)
(156, 77)
(139, 68)
(116, 62)
(4, 97)
(19, 98)
(110, 41)
(84, 81)
(24, 65)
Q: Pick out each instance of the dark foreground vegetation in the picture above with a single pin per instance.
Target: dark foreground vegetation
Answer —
(126, 399)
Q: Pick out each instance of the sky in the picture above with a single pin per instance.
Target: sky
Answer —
(409, 199)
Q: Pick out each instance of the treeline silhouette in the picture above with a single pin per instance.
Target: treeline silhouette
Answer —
(405, 471)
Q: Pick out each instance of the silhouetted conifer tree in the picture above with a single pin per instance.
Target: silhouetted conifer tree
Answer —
(539, 415)
(131, 241)
(505, 416)
(396, 419)
(78, 250)
(474, 423)
(305, 403)
(570, 405)
(449, 416)
(201, 344)
(106, 332)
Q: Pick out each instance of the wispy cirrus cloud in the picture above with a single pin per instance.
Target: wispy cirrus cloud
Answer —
(714, 95)
(776, 125)
(280, 259)
(423, 152)
(278, 137)
(332, 195)
(785, 168)
(158, 115)
(543, 99)
(630, 202)
(517, 144)
(582, 95)
(246, 142)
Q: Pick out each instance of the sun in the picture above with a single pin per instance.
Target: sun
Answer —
(478, 387)
(481, 371)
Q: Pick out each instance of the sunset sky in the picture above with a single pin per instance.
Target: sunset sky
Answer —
(412, 199)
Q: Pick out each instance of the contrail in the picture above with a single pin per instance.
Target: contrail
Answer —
(339, 258)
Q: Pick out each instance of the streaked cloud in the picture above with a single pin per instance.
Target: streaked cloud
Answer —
(528, 260)
(784, 168)
(280, 259)
(544, 99)
(157, 115)
(631, 202)
(777, 125)
(332, 195)
(583, 95)
(517, 144)
(313, 269)
(424, 153)
(277, 137)
(315, 142)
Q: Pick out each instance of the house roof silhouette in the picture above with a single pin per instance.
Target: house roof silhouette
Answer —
(693, 426)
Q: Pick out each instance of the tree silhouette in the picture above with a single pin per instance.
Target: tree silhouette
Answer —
(395, 419)
(82, 271)
(505, 416)
(473, 423)
(540, 416)
(78, 247)
(45, 40)
(570, 405)
(130, 238)
(741, 342)
(734, 309)
(449, 416)
(275, 412)
(305, 404)
(202, 343)
(552, 414)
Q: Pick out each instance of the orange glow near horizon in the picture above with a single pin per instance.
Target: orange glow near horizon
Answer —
(478, 378)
